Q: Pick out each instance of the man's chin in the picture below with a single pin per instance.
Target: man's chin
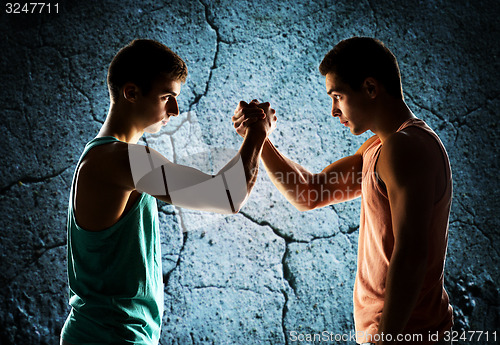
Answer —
(155, 128)
(357, 131)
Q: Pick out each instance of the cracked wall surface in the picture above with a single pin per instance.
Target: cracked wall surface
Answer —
(254, 277)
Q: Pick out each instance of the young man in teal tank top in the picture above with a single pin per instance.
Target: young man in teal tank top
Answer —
(114, 261)
(403, 177)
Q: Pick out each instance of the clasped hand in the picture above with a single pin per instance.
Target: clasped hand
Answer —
(254, 114)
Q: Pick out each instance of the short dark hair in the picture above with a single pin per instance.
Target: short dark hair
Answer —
(143, 62)
(357, 58)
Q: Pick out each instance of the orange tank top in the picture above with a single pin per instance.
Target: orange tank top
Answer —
(433, 312)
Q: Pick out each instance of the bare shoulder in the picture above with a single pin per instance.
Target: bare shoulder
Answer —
(108, 164)
(409, 153)
(104, 187)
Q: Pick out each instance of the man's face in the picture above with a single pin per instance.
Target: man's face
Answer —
(159, 104)
(348, 105)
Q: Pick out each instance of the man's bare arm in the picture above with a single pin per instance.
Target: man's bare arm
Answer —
(340, 181)
(408, 170)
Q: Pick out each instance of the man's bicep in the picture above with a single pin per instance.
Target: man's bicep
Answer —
(338, 182)
(411, 209)
(341, 180)
(410, 187)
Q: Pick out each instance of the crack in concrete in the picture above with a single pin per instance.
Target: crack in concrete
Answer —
(314, 238)
(429, 109)
(30, 127)
(44, 249)
(284, 314)
(287, 273)
(83, 93)
(476, 226)
(464, 122)
(31, 179)
(166, 276)
(351, 229)
(217, 49)
(276, 231)
(38, 253)
(440, 117)
(460, 123)
(290, 280)
(223, 288)
(295, 22)
(13, 131)
(167, 212)
(457, 121)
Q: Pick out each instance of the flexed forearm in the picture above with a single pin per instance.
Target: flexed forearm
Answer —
(250, 152)
(291, 179)
(338, 182)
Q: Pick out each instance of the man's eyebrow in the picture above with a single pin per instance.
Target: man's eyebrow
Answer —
(333, 89)
(170, 92)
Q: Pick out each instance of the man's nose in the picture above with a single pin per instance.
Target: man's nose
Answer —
(172, 107)
(335, 110)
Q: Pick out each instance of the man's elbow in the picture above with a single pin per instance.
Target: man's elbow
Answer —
(235, 210)
(237, 205)
(307, 198)
(305, 206)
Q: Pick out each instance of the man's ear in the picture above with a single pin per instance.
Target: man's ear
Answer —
(371, 87)
(130, 92)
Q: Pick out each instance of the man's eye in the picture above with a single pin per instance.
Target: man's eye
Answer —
(336, 97)
(165, 98)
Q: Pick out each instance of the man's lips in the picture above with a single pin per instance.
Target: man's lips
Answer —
(344, 123)
(165, 120)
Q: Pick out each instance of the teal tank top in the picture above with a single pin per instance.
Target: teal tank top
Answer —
(115, 277)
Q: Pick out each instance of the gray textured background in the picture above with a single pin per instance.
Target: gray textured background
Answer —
(254, 277)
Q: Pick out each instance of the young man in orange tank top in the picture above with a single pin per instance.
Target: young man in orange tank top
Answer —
(402, 174)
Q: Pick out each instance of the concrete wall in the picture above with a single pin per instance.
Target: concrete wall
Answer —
(255, 277)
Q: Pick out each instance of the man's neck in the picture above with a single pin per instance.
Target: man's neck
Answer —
(119, 124)
(390, 118)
